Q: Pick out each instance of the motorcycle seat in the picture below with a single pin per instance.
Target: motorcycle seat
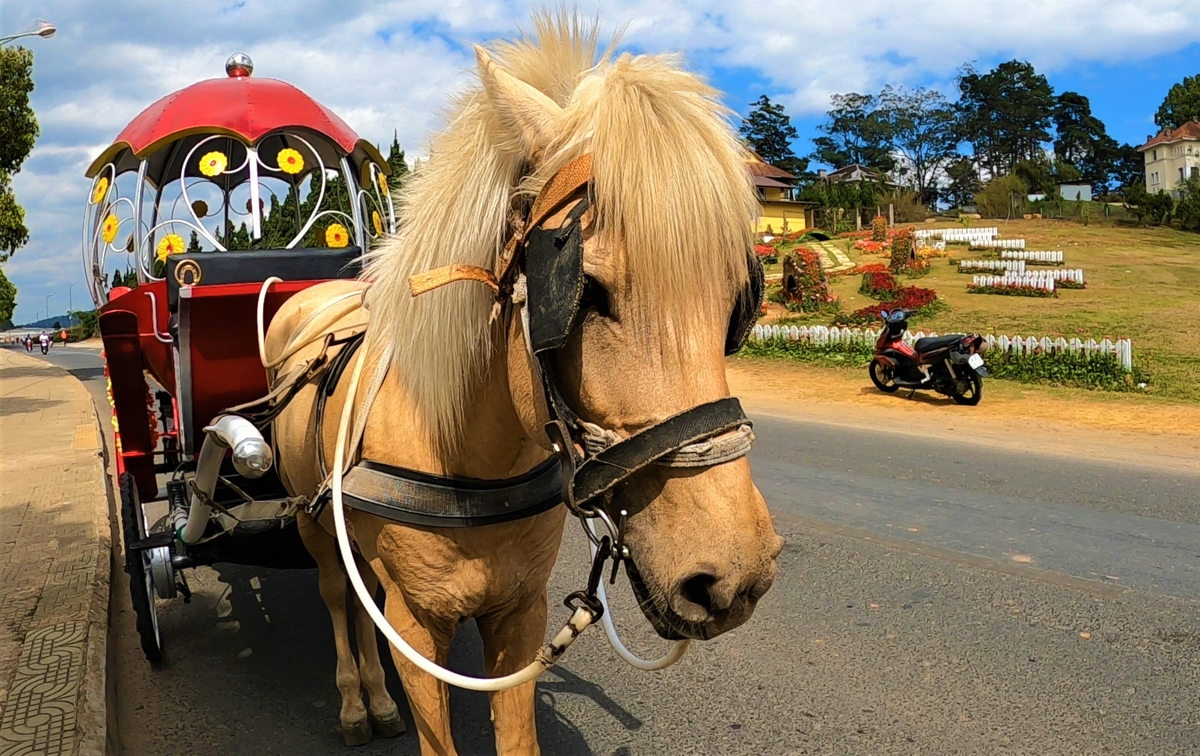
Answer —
(931, 343)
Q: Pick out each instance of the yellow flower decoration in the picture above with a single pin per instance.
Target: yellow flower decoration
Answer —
(100, 189)
(109, 229)
(336, 236)
(290, 161)
(377, 222)
(213, 163)
(171, 244)
(383, 183)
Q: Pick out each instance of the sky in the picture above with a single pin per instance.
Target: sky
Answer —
(387, 66)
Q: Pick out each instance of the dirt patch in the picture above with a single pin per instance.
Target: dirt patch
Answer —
(1100, 426)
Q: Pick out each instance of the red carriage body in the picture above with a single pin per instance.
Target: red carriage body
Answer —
(189, 321)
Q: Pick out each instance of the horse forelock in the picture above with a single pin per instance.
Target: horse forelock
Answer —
(669, 182)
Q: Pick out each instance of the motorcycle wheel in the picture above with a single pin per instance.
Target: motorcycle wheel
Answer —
(974, 391)
(881, 376)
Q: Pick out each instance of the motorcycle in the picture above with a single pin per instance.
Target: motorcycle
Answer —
(952, 365)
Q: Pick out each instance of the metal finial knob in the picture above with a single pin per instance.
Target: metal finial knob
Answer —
(239, 64)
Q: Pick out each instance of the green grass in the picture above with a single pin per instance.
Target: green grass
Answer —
(1143, 284)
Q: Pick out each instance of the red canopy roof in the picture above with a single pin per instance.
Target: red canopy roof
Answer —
(244, 107)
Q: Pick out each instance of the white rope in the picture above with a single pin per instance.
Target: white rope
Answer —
(610, 630)
(542, 661)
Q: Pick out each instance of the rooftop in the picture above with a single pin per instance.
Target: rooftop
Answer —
(1189, 130)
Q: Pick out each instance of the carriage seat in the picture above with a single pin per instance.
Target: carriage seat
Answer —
(249, 266)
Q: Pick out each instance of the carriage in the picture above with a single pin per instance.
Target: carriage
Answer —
(200, 199)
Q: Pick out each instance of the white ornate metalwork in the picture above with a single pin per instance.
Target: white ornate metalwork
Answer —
(140, 220)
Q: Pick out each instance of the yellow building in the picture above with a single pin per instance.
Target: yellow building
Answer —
(778, 212)
(1172, 158)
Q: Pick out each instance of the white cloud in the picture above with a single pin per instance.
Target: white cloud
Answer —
(391, 65)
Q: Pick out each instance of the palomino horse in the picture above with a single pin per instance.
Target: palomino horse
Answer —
(664, 259)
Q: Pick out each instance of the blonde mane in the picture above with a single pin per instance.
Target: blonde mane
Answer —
(668, 179)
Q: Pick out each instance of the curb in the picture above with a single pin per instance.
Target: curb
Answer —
(56, 701)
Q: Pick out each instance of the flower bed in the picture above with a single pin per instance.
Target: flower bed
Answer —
(1012, 291)
(872, 247)
(1069, 284)
(805, 287)
(858, 270)
(913, 299)
(879, 285)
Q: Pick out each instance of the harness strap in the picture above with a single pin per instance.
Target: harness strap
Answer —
(409, 496)
(599, 473)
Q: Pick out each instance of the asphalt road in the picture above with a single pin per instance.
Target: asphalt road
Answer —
(933, 598)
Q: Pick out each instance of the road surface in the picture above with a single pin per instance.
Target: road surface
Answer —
(933, 597)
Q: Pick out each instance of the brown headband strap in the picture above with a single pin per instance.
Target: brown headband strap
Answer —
(432, 279)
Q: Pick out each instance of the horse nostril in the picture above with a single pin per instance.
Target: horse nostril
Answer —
(693, 599)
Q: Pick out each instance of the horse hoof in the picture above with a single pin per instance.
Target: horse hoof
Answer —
(357, 734)
(389, 727)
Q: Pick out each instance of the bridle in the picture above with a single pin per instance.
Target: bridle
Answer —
(541, 275)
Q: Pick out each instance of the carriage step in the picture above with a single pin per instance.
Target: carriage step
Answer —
(152, 541)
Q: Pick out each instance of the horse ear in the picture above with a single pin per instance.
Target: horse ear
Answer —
(529, 115)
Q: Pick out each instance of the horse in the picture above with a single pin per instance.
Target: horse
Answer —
(664, 258)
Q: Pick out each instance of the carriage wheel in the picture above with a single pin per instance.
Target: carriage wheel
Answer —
(141, 583)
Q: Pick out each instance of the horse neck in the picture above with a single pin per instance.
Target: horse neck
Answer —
(494, 444)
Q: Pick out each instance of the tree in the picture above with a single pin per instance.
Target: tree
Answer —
(855, 133)
(117, 280)
(923, 128)
(1187, 212)
(1005, 114)
(964, 182)
(8, 300)
(18, 132)
(1160, 207)
(1128, 167)
(194, 243)
(1082, 142)
(397, 163)
(1182, 104)
(1002, 197)
(1136, 200)
(770, 133)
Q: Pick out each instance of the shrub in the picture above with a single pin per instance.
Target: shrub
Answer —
(859, 270)
(879, 229)
(901, 252)
(999, 196)
(881, 286)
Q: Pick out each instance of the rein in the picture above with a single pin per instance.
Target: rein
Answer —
(540, 273)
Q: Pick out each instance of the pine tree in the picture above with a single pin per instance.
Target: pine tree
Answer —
(193, 244)
(117, 280)
(770, 133)
(396, 162)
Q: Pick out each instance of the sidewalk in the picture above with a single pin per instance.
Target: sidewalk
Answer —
(55, 541)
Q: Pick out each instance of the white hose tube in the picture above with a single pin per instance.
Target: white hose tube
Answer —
(544, 659)
(610, 630)
(251, 457)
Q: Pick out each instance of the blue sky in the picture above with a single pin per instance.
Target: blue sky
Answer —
(390, 64)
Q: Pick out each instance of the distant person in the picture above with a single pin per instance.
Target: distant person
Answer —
(44, 340)
(63, 335)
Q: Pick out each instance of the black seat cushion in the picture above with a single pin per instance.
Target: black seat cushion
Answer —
(930, 343)
(249, 266)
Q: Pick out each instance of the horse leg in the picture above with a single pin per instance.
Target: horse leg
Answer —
(510, 642)
(387, 719)
(356, 730)
(428, 698)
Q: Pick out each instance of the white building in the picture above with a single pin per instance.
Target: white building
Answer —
(1171, 158)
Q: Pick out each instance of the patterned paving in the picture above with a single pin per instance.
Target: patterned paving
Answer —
(54, 567)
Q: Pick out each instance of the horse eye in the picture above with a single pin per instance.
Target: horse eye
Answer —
(595, 298)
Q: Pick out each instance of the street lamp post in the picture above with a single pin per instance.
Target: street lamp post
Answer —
(70, 306)
(44, 29)
(48, 305)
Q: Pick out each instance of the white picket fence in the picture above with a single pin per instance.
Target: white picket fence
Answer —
(1121, 348)
(938, 244)
(1054, 257)
(998, 244)
(1025, 280)
(955, 234)
(1008, 266)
